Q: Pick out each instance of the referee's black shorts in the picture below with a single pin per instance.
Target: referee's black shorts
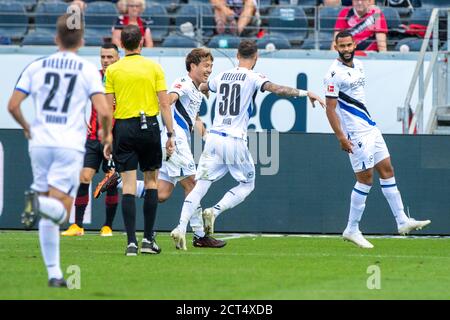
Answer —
(94, 156)
(133, 145)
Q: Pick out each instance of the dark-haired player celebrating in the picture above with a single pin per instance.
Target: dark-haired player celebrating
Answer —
(358, 135)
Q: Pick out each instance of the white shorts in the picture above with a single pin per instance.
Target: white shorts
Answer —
(56, 167)
(181, 163)
(225, 154)
(368, 150)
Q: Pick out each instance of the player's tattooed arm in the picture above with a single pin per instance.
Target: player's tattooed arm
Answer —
(283, 91)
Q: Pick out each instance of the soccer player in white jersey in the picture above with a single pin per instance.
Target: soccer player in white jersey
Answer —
(226, 145)
(359, 136)
(185, 99)
(60, 85)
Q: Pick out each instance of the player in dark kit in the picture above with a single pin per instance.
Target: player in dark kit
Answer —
(93, 158)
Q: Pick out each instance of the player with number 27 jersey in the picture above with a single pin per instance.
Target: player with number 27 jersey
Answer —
(60, 85)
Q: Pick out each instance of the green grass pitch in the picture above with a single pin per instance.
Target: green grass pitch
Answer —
(250, 267)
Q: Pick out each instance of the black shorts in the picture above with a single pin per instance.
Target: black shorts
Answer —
(133, 145)
(94, 156)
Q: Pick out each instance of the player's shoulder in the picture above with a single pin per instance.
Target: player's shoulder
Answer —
(334, 70)
(181, 82)
(34, 65)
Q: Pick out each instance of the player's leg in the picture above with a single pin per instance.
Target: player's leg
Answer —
(61, 180)
(149, 244)
(393, 197)
(200, 238)
(362, 163)
(111, 203)
(92, 160)
(129, 209)
(241, 166)
(81, 202)
(211, 167)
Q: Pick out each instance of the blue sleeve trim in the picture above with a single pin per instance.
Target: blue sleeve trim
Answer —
(22, 90)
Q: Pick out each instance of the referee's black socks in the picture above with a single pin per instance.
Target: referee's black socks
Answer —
(150, 206)
(129, 216)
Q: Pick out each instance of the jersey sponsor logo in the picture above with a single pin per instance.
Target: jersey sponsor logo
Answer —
(178, 86)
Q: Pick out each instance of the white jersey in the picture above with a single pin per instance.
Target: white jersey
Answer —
(61, 86)
(347, 85)
(187, 107)
(236, 91)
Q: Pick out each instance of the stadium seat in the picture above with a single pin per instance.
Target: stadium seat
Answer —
(39, 38)
(158, 19)
(187, 13)
(179, 41)
(47, 13)
(99, 18)
(325, 39)
(224, 41)
(28, 4)
(327, 18)
(420, 16)
(207, 22)
(169, 5)
(291, 21)
(307, 5)
(279, 41)
(392, 18)
(414, 44)
(13, 20)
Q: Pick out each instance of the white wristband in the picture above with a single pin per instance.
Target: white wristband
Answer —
(302, 93)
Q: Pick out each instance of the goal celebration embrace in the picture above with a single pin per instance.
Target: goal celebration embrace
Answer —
(138, 168)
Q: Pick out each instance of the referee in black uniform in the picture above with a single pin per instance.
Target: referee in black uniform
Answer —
(139, 88)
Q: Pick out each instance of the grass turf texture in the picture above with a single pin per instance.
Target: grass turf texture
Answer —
(247, 268)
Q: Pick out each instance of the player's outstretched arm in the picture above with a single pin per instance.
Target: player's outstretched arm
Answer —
(285, 91)
(14, 108)
(333, 119)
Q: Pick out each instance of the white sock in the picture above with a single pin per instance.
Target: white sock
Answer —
(192, 202)
(393, 197)
(233, 197)
(52, 209)
(196, 222)
(140, 189)
(49, 239)
(357, 205)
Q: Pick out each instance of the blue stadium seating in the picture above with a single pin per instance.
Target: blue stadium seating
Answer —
(39, 38)
(325, 39)
(47, 13)
(179, 41)
(291, 21)
(100, 16)
(159, 20)
(187, 13)
(280, 41)
(207, 23)
(13, 20)
(224, 41)
(392, 18)
(327, 18)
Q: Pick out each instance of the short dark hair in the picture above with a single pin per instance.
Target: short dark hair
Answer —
(69, 37)
(110, 46)
(343, 34)
(247, 49)
(131, 37)
(196, 56)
